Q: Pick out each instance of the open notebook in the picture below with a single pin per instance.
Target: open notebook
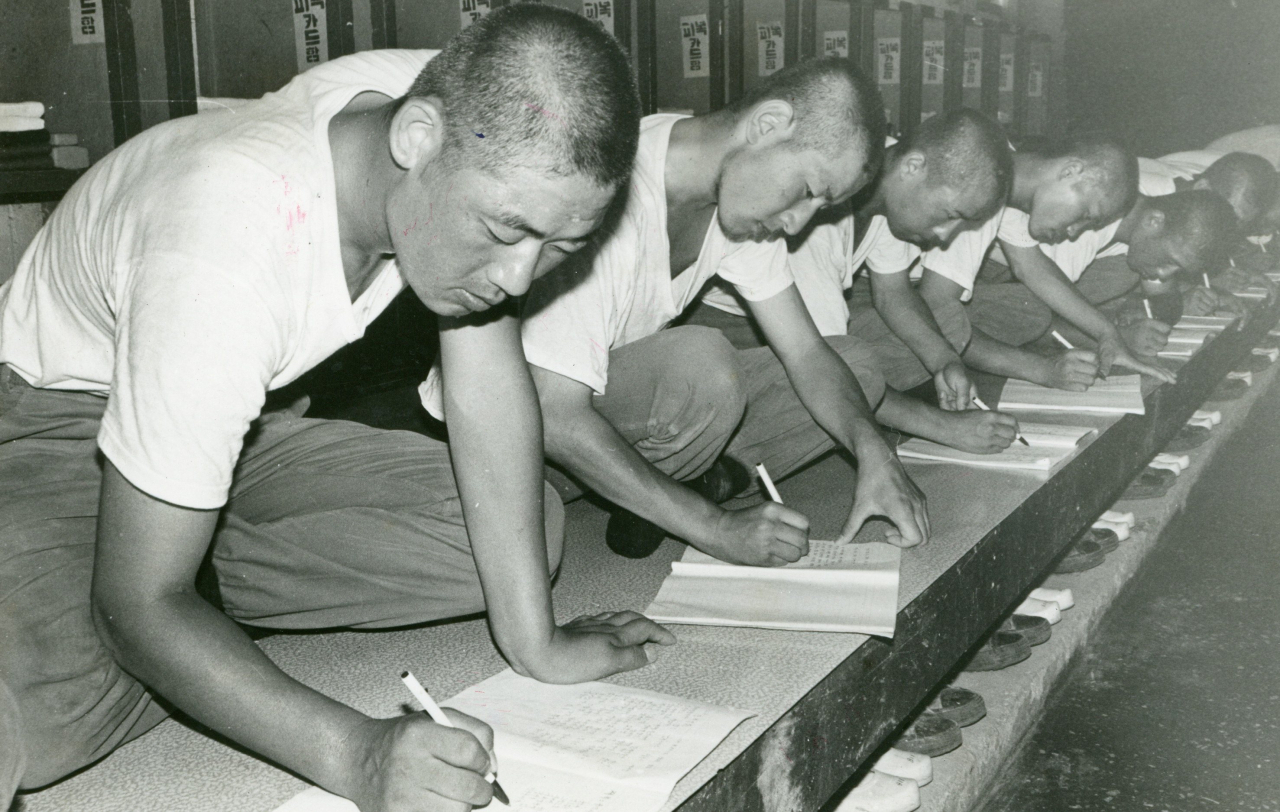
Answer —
(1048, 447)
(836, 588)
(1119, 394)
(1187, 335)
(592, 747)
(1215, 323)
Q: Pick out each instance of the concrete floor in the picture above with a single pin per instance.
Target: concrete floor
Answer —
(1175, 706)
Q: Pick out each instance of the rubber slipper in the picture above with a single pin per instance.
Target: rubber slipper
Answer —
(901, 764)
(1062, 597)
(1229, 389)
(930, 735)
(1083, 555)
(1106, 538)
(1037, 630)
(960, 705)
(1034, 607)
(1001, 650)
(881, 792)
(1187, 438)
(1152, 483)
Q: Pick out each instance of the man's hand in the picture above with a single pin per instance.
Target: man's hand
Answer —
(1199, 302)
(597, 646)
(1112, 347)
(884, 489)
(1146, 336)
(411, 764)
(955, 390)
(1074, 370)
(765, 535)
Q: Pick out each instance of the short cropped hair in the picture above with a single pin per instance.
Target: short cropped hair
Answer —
(1245, 177)
(1204, 223)
(1114, 168)
(537, 87)
(836, 107)
(962, 148)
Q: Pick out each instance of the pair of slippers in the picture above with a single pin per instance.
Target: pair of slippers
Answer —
(936, 731)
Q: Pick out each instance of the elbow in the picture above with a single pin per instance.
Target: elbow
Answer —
(110, 621)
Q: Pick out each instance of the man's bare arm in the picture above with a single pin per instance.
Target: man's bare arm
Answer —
(584, 442)
(909, 316)
(495, 437)
(149, 615)
(830, 391)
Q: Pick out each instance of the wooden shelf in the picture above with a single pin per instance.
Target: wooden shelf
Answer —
(35, 185)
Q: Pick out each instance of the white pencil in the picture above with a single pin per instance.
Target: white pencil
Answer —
(1062, 340)
(984, 407)
(1206, 280)
(437, 715)
(768, 483)
(1147, 304)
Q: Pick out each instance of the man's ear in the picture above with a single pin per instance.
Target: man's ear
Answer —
(1154, 221)
(770, 122)
(1201, 183)
(417, 132)
(913, 164)
(1071, 169)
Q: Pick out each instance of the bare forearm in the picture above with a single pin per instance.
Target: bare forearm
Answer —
(833, 396)
(910, 318)
(1046, 280)
(195, 657)
(989, 355)
(495, 438)
(591, 449)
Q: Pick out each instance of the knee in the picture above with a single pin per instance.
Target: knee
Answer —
(553, 520)
(714, 375)
(707, 370)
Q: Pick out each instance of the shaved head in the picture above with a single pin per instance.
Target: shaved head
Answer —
(968, 152)
(836, 108)
(1108, 167)
(536, 87)
(1246, 181)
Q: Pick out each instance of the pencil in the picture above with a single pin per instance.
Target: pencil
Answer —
(978, 402)
(768, 483)
(433, 710)
(1062, 340)
(1147, 304)
(1205, 276)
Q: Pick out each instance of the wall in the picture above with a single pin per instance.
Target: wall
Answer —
(1167, 75)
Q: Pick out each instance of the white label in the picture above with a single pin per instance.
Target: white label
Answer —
(1035, 80)
(471, 10)
(310, 33)
(86, 22)
(772, 51)
(599, 12)
(835, 43)
(888, 60)
(972, 67)
(1006, 73)
(693, 32)
(934, 61)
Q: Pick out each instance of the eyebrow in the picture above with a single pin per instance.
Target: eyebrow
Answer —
(518, 223)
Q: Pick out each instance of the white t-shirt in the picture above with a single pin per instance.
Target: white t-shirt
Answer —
(192, 270)
(1155, 178)
(962, 259)
(1264, 141)
(825, 265)
(622, 290)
